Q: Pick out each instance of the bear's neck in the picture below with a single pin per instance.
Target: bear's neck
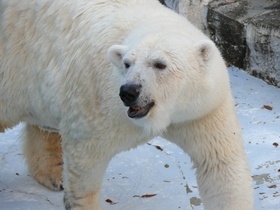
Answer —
(220, 127)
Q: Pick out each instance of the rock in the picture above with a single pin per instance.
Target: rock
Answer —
(248, 35)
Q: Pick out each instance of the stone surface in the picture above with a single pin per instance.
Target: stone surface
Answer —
(172, 4)
(263, 42)
(248, 35)
(229, 35)
(193, 10)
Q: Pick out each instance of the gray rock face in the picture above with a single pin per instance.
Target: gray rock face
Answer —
(248, 34)
(263, 42)
(229, 35)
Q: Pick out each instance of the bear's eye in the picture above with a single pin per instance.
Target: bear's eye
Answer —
(127, 65)
(159, 65)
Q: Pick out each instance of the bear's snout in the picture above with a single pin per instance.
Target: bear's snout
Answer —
(129, 93)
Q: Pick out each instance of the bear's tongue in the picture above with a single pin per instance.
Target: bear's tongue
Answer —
(139, 111)
(134, 111)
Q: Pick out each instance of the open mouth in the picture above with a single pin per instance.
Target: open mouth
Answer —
(139, 112)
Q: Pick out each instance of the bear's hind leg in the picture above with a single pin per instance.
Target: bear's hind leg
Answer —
(4, 126)
(43, 154)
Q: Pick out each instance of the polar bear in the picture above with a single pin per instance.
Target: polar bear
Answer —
(93, 78)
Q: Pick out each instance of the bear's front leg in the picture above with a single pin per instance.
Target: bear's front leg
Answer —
(215, 145)
(224, 185)
(85, 162)
(4, 126)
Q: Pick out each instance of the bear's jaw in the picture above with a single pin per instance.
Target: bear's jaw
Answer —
(139, 112)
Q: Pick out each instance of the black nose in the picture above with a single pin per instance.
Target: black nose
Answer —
(129, 93)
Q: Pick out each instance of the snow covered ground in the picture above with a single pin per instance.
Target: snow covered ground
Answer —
(160, 168)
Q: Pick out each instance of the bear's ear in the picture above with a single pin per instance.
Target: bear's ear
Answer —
(206, 49)
(115, 54)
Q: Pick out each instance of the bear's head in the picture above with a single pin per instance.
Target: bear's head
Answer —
(169, 79)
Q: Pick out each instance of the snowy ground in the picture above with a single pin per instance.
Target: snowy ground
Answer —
(160, 167)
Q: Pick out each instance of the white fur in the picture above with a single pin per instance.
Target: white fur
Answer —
(54, 72)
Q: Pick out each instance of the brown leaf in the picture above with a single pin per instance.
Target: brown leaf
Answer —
(275, 144)
(158, 147)
(148, 195)
(110, 201)
(272, 186)
(267, 107)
